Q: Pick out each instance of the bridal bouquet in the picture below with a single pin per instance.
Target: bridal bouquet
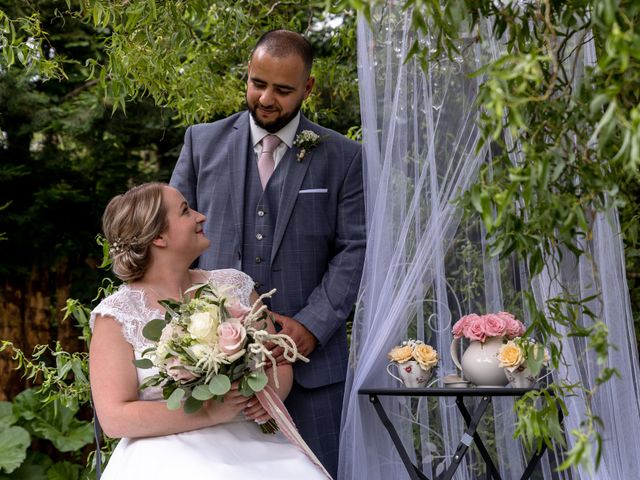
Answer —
(207, 342)
(481, 327)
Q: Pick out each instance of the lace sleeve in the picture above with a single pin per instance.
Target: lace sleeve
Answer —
(239, 281)
(127, 306)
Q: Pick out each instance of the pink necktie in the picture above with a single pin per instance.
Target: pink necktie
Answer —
(266, 163)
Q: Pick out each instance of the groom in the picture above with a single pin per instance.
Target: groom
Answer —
(289, 215)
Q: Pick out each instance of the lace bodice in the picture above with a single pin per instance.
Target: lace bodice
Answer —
(128, 306)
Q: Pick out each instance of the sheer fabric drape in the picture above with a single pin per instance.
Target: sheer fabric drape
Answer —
(426, 266)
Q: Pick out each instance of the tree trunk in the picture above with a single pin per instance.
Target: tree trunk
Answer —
(31, 314)
(11, 330)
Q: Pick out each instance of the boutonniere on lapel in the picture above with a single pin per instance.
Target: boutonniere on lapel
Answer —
(306, 140)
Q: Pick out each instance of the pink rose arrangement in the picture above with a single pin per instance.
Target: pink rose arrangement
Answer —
(208, 341)
(480, 327)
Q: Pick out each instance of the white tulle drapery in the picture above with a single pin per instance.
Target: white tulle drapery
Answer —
(427, 265)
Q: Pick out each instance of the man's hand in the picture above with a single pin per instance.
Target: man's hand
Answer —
(304, 339)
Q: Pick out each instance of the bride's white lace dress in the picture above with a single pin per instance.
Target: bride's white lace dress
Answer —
(236, 450)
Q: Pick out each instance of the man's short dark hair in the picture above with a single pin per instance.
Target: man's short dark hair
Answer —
(282, 43)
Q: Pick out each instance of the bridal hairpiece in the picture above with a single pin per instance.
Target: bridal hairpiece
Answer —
(121, 246)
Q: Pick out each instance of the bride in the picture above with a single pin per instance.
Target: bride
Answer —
(154, 238)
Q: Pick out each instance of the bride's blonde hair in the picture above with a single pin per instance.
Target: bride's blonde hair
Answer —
(130, 223)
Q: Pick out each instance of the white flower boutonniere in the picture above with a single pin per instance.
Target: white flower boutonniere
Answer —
(305, 141)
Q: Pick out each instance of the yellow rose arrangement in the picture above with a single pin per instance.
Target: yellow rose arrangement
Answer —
(424, 354)
(518, 353)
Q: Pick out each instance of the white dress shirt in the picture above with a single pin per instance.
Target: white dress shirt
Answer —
(286, 134)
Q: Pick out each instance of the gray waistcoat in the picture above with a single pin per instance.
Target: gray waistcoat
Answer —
(260, 214)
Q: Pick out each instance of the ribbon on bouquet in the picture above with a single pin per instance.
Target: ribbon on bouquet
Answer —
(274, 407)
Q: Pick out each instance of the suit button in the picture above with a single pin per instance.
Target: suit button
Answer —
(258, 236)
(261, 213)
(258, 284)
(258, 259)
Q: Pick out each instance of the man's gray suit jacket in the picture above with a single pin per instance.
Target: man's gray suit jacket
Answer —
(319, 237)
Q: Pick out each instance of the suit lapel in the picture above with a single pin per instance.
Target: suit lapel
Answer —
(238, 153)
(293, 180)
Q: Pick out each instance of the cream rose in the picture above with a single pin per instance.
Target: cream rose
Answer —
(203, 326)
(401, 354)
(510, 356)
(231, 337)
(425, 355)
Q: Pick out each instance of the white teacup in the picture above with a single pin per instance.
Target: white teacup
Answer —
(412, 375)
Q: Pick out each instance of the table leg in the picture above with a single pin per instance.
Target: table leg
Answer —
(413, 471)
(492, 471)
(469, 436)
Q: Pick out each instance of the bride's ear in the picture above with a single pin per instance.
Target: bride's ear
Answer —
(159, 241)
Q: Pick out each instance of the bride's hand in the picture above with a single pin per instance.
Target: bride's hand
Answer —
(255, 411)
(227, 410)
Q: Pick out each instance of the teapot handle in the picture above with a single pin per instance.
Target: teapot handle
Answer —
(454, 352)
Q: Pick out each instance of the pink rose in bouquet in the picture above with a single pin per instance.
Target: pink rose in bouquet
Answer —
(231, 337)
(237, 309)
(177, 371)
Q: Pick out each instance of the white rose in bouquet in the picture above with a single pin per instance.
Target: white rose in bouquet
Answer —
(203, 327)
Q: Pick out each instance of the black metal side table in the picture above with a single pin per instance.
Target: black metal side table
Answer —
(472, 420)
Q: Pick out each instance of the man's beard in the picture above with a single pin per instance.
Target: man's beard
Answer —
(278, 123)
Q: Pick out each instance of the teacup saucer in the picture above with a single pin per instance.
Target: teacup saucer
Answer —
(454, 381)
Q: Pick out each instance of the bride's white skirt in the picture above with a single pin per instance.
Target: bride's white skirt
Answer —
(231, 451)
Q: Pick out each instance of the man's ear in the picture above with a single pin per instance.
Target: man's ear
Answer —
(309, 86)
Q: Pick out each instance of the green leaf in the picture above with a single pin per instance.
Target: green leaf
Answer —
(170, 305)
(14, 442)
(33, 468)
(202, 392)
(153, 329)
(54, 421)
(64, 471)
(174, 402)
(192, 405)
(143, 363)
(244, 388)
(7, 417)
(257, 380)
(475, 199)
(78, 371)
(219, 385)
